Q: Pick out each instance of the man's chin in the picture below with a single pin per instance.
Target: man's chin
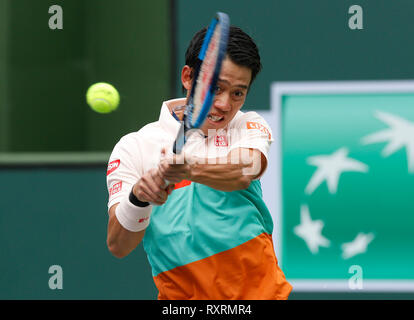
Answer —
(209, 129)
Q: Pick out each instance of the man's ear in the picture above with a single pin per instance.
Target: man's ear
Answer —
(187, 77)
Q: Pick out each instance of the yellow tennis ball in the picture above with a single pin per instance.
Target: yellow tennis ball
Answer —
(102, 97)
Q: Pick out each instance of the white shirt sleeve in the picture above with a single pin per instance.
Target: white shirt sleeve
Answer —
(123, 169)
(250, 130)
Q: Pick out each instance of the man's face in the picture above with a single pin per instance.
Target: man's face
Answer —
(232, 87)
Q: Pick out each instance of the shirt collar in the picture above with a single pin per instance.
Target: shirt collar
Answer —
(167, 121)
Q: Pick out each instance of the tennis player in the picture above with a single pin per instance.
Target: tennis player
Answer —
(200, 214)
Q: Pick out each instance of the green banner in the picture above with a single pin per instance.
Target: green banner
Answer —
(346, 181)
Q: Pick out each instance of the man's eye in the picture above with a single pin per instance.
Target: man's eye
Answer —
(239, 94)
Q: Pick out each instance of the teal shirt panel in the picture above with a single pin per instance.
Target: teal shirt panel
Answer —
(198, 221)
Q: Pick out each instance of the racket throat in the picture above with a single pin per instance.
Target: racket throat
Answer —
(180, 139)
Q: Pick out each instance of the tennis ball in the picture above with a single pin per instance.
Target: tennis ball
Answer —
(102, 97)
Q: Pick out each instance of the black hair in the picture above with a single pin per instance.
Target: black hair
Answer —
(241, 49)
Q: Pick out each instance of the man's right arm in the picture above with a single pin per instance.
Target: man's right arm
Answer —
(150, 188)
(121, 241)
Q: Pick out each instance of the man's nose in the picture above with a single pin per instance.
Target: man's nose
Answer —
(222, 102)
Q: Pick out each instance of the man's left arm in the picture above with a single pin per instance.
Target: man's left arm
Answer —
(230, 173)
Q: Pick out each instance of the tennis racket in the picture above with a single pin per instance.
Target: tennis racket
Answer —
(205, 78)
(206, 73)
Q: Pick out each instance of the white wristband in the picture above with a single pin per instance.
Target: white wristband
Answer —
(132, 217)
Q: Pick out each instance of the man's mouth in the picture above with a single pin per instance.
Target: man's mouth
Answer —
(215, 118)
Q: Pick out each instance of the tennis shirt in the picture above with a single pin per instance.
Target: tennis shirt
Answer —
(203, 243)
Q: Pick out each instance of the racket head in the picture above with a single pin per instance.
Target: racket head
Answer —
(210, 58)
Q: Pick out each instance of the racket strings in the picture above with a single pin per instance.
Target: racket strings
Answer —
(206, 73)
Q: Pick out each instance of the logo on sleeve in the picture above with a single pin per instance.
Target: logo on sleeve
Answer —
(117, 187)
(258, 126)
(112, 166)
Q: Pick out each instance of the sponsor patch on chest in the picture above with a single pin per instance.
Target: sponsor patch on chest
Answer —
(221, 141)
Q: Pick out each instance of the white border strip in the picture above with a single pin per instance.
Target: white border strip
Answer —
(51, 158)
(274, 200)
(323, 285)
(324, 87)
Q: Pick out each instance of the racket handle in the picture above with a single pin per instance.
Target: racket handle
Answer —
(178, 144)
(180, 139)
